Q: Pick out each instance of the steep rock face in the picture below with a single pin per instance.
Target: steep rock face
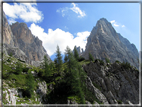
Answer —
(9, 42)
(114, 82)
(7, 33)
(105, 42)
(18, 40)
(28, 43)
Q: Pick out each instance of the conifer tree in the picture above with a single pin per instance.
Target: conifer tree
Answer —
(91, 57)
(76, 55)
(30, 84)
(18, 68)
(59, 62)
(65, 58)
(73, 76)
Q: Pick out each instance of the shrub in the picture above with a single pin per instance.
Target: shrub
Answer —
(101, 62)
(18, 68)
(117, 61)
(107, 60)
(81, 59)
(25, 69)
(91, 57)
(126, 65)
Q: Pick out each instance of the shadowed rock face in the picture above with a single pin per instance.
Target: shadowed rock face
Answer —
(105, 42)
(19, 36)
(115, 82)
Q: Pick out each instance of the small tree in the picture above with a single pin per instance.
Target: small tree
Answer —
(30, 84)
(73, 76)
(107, 60)
(18, 68)
(76, 55)
(91, 57)
(65, 58)
(59, 62)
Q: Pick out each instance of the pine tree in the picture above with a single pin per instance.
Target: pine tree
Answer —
(18, 68)
(65, 58)
(76, 55)
(91, 57)
(73, 76)
(46, 69)
(30, 84)
(59, 62)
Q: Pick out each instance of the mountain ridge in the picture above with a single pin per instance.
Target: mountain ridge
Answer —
(104, 42)
(20, 36)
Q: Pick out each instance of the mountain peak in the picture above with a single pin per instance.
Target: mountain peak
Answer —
(105, 42)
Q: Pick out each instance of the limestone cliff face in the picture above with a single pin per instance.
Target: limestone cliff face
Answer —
(9, 46)
(28, 43)
(18, 36)
(7, 33)
(105, 42)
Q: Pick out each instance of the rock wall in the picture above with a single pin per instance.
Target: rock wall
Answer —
(105, 42)
(28, 43)
(18, 40)
(115, 84)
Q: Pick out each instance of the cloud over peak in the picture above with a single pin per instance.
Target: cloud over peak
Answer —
(114, 23)
(59, 37)
(25, 11)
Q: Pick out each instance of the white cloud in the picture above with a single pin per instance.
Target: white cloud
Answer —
(113, 21)
(26, 11)
(123, 25)
(59, 37)
(64, 11)
(115, 25)
(77, 10)
(11, 20)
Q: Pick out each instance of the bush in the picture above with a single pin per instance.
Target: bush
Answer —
(91, 57)
(125, 65)
(19, 68)
(25, 69)
(107, 60)
(117, 61)
(81, 59)
(101, 62)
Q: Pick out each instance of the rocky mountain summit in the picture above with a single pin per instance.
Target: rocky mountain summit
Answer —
(105, 42)
(18, 36)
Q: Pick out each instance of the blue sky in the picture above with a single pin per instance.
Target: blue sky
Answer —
(71, 23)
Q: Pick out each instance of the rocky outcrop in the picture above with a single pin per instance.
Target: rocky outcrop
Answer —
(96, 91)
(115, 84)
(42, 90)
(18, 40)
(7, 33)
(28, 43)
(105, 42)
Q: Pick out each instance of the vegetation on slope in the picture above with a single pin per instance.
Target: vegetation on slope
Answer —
(67, 79)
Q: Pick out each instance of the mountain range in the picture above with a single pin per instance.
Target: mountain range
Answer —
(115, 82)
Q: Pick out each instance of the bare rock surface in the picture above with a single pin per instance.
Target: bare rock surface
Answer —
(18, 40)
(115, 84)
(104, 42)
